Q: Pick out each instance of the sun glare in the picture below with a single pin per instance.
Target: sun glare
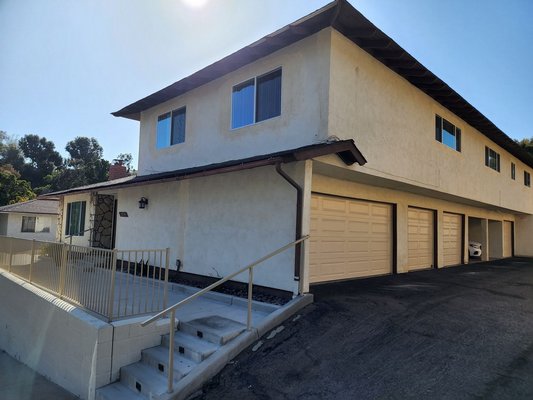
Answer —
(195, 3)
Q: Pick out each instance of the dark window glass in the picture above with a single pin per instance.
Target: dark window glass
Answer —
(268, 97)
(163, 131)
(75, 222)
(492, 159)
(242, 104)
(513, 171)
(28, 224)
(447, 133)
(527, 179)
(178, 126)
(438, 128)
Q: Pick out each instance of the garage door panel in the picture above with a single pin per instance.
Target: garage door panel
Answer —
(360, 246)
(420, 239)
(507, 238)
(452, 238)
(358, 226)
(333, 205)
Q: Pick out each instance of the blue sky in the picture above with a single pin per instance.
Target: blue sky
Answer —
(66, 65)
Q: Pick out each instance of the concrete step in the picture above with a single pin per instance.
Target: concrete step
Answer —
(144, 379)
(157, 358)
(190, 346)
(215, 329)
(118, 391)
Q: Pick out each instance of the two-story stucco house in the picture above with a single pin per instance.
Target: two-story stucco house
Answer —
(325, 127)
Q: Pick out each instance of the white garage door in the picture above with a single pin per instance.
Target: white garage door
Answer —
(420, 239)
(349, 238)
(452, 237)
(507, 239)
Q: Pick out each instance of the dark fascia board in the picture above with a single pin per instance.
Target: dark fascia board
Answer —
(343, 17)
(345, 149)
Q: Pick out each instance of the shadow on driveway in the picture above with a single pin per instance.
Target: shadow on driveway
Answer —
(457, 333)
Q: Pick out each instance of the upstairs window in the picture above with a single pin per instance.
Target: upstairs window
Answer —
(492, 159)
(447, 133)
(256, 100)
(527, 179)
(513, 171)
(171, 128)
(75, 221)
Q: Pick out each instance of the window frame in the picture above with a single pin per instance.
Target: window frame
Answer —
(254, 79)
(28, 217)
(513, 171)
(439, 129)
(81, 218)
(497, 158)
(527, 179)
(172, 134)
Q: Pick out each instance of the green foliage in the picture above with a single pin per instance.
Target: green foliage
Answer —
(526, 144)
(34, 159)
(12, 189)
(42, 156)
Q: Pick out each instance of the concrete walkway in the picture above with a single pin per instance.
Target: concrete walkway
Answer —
(18, 382)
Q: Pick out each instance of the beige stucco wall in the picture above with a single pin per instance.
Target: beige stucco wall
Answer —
(209, 137)
(393, 124)
(14, 226)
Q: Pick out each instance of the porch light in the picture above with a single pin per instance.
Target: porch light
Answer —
(143, 202)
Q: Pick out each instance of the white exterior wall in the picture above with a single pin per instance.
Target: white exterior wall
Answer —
(14, 226)
(218, 224)
(393, 124)
(209, 137)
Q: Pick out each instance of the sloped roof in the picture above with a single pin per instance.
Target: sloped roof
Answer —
(38, 206)
(343, 17)
(345, 149)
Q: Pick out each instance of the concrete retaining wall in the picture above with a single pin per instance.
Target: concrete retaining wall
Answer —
(65, 344)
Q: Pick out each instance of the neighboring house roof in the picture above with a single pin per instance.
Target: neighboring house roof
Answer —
(345, 149)
(37, 206)
(343, 17)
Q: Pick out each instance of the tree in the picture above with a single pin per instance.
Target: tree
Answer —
(84, 150)
(12, 189)
(42, 156)
(84, 167)
(526, 144)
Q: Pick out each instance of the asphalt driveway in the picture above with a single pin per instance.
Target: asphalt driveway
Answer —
(457, 333)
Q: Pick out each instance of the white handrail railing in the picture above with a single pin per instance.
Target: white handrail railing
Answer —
(172, 309)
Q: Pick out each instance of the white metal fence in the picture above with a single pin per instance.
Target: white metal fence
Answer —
(111, 283)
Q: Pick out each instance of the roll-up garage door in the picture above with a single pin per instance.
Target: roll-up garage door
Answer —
(349, 238)
(507, 239)
(452, 238)
(420, 239)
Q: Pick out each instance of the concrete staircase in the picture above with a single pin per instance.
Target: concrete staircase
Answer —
(195, 341)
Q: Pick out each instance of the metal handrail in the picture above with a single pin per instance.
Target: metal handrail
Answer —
(172, 309)
(77, 234)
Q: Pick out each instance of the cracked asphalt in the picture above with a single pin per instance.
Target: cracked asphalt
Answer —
(457, 333)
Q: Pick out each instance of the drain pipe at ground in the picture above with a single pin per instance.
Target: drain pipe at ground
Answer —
(299, 202)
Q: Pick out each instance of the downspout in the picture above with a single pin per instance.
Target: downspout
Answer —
(298, 235)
